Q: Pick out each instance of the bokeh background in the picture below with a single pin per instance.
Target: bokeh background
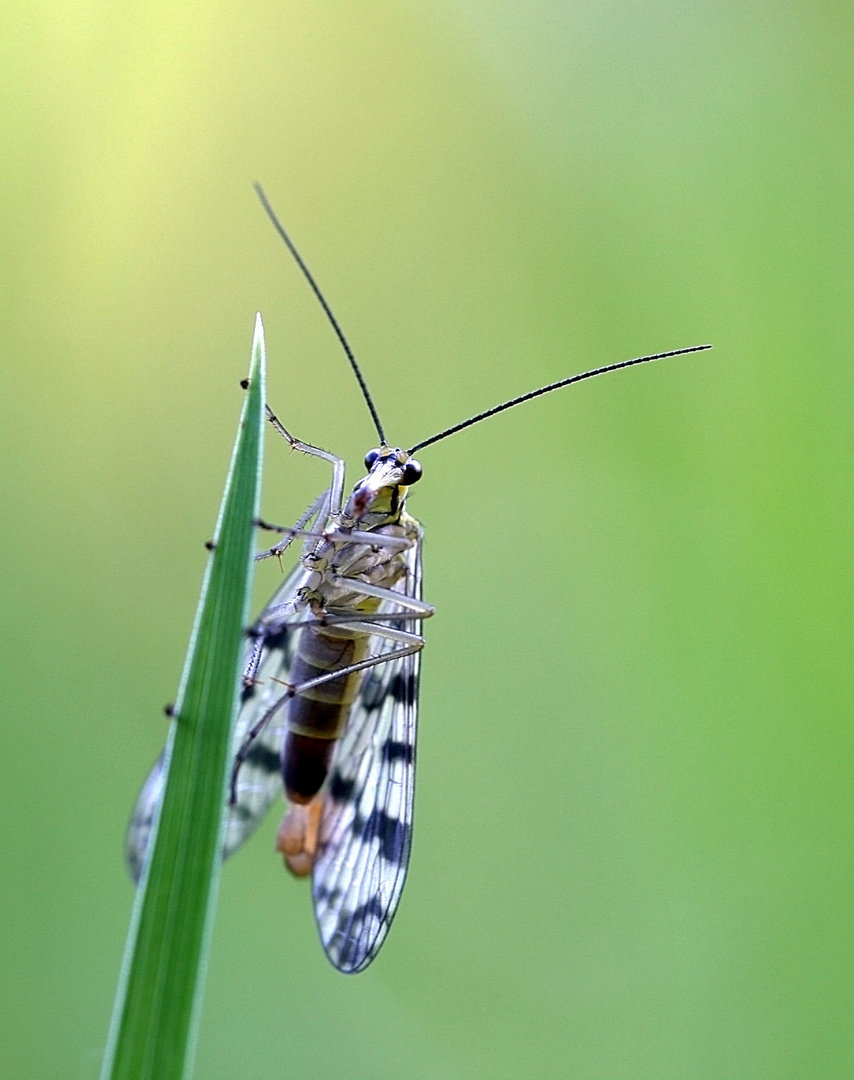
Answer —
(634, 819)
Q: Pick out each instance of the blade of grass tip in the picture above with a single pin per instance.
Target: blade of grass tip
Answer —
(152, 1033)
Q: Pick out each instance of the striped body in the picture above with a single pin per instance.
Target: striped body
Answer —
(317, 717)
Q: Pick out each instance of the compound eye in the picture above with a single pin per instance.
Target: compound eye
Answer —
(370, 458)
(411, 472)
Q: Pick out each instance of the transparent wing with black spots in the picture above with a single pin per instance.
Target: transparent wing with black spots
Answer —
(259, 781)
(366, 827)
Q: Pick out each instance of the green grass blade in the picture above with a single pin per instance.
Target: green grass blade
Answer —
(152, 1034)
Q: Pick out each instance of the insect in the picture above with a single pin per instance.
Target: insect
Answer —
(329, 703)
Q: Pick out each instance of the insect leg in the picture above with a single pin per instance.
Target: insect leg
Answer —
(375, 540)
(368, 623)
(336, 492)
(319, 510)
(411, 643)
(410, 603)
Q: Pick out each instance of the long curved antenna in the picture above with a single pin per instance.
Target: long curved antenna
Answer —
(277, 225)
(554, 386)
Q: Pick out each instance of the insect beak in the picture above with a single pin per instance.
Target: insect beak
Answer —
(384, 475)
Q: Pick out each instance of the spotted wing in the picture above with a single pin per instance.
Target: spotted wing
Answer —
(366, 826)
(259, 780)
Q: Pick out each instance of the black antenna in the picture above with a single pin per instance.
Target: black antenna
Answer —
(277, 225)
(554, 386)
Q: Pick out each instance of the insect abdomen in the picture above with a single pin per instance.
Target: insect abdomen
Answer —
(318, 716)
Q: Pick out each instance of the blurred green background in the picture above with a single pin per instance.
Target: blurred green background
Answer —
(634, 825)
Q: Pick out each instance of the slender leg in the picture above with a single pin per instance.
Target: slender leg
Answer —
(410, 603)
(336, 492)
(315, 512)
(413, 608)
(369, 539)
(415, 644)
